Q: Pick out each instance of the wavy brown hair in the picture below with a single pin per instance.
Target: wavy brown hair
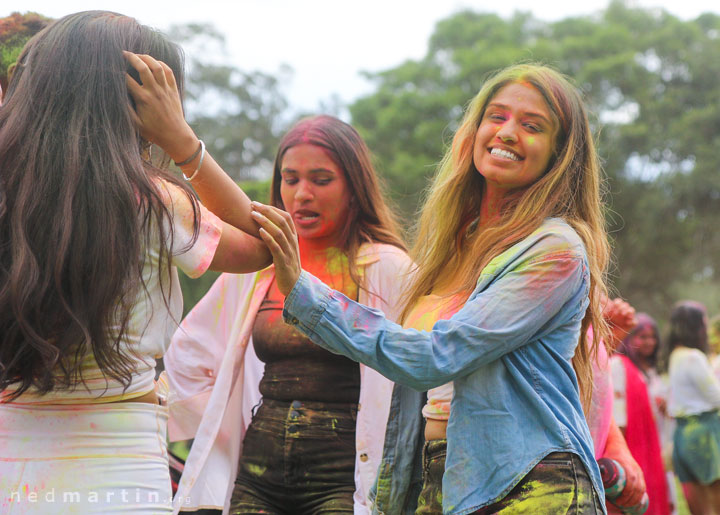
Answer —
(369, 217)
(78, 204)
(570, 189)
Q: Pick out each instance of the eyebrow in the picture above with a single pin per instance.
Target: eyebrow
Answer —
(314, 170)
(531, 114)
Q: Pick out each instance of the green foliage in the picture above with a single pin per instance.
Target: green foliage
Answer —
(651, 82)
(257, 190)
(238, 113)
(15, 31)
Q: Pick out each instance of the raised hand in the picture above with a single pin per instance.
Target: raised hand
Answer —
(278, 232)
(158, 107)
(620, 316)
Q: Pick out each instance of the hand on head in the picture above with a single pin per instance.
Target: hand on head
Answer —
(158, 106)
(278, 232)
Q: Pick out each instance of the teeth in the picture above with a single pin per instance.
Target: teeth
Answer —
(504, 153)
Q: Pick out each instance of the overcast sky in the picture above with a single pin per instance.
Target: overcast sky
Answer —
(328, 42)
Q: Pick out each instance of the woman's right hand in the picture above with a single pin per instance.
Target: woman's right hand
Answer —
(158, 107)
(278, 232)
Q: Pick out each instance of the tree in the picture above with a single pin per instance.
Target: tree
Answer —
(650, 80)
(15, 31)
(238, 113)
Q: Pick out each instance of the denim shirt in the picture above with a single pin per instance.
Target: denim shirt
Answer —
(508, 350)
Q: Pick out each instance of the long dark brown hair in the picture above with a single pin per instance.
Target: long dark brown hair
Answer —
(78, 204)
(369, 218)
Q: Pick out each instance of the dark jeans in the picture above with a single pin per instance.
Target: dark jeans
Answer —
(559, 484)
(298, 458)
(430, 500)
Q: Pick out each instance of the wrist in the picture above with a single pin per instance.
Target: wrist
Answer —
(182, 147)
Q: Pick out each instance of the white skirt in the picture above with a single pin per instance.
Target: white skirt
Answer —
(84, 459)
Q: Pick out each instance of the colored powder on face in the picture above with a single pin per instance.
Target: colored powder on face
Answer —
(531, 140)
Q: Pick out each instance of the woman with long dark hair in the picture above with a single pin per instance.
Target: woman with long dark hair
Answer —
(92, 232)
(315, 442)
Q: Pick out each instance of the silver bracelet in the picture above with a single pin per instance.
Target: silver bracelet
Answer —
(191, 158)
(202, 158)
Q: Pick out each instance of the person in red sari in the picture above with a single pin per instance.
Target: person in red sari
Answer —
(633, 413)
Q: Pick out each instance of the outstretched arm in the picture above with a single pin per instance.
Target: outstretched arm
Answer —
(161, 121)
(506, 314)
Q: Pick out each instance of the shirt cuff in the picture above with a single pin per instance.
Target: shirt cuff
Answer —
(306, 303)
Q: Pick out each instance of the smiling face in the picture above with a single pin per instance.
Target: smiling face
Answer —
(515, 139)
(315, 192)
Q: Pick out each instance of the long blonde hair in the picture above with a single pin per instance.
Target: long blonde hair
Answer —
(570, 189)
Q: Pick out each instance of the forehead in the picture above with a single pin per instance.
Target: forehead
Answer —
(308, 156)
(522, 96)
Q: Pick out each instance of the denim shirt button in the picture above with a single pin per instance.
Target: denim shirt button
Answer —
(294, 321)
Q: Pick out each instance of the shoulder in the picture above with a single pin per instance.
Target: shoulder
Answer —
(556, 235)
(686, 356)
(173, 196)
(554, 240)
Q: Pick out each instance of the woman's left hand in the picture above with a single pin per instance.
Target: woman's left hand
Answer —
(158, 107)
(278, 232)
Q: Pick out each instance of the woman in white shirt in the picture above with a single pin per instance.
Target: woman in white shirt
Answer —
(93, 231)
(694, 402)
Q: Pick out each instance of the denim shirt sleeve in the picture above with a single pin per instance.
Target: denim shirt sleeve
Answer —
(523, 302)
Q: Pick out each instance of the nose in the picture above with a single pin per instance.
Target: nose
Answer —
(303, 191)
(508, 132)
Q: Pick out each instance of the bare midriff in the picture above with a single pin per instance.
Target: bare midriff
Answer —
(151, 398)
(435, 429)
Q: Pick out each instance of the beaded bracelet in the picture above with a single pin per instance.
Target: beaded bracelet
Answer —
(202, 158)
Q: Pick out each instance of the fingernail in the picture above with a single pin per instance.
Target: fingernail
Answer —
(254, 203)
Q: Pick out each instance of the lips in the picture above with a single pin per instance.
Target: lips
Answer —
(304, 217)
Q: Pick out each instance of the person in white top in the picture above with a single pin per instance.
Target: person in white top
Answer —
(694, 402)
(93, 231)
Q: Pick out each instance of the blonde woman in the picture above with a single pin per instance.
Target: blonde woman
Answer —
(512, 242)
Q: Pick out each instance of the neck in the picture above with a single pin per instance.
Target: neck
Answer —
(329, 264)
(643, 363)
(492, 199)
(315, 254)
